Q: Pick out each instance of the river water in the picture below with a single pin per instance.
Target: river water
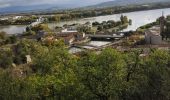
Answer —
(139, 18)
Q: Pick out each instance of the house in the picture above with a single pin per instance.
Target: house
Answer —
(70, 36)
(80, 36)
(153, 36)
(17, 17)
(41, 34)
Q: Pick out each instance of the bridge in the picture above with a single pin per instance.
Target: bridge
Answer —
(105, 37)
(110, 36)
(38, 21)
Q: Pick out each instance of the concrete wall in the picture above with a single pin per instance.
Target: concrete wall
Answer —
(155, 39)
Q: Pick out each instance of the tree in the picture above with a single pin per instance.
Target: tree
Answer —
(95, 23)
(26, 47)
(84, 29)
(11, 39)
(111, 23)
(100, 28)
(103, 74)
(28, 29)
(56, 70)
(157, 73)
(2, 35)
(6, 58)
(124, 19)
(147, 77)
(41, 27)
(167, 30)
(130, 22)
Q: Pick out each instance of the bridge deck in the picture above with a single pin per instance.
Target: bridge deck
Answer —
(105, 36)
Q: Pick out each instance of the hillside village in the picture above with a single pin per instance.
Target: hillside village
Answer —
(76, 36)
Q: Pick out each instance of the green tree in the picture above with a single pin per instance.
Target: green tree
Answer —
(157, 73)
(41, 27)
(6, 58)
(103, 74)
(124, 19)
(2, 35)
(130, 22)
(148, 77)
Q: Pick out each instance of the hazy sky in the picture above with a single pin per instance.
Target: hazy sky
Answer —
(7, 3)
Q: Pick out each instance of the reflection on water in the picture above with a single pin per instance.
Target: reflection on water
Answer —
(139, 18)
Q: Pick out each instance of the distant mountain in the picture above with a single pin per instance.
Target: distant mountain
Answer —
(127, 2)
(17, 9)
(52, 7)
(36, 8)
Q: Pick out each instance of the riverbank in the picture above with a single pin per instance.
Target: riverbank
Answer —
(76, 14)
(126, 10)
(139, 18)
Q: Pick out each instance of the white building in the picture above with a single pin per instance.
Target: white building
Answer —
(17, 17)
(153, 36)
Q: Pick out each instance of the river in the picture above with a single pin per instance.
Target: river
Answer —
(139, 18)
(13, 29)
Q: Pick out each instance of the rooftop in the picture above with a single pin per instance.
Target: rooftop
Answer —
(69, 31)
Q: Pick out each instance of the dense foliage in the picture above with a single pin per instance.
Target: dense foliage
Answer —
(54, 74)
(5, 39)
(26, 20)
(113, 26)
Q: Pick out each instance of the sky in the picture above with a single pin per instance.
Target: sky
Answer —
(8, 3)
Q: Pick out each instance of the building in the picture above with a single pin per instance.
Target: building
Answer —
(41, 34)
(153, 36)
(17, 17)
(70, 36)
